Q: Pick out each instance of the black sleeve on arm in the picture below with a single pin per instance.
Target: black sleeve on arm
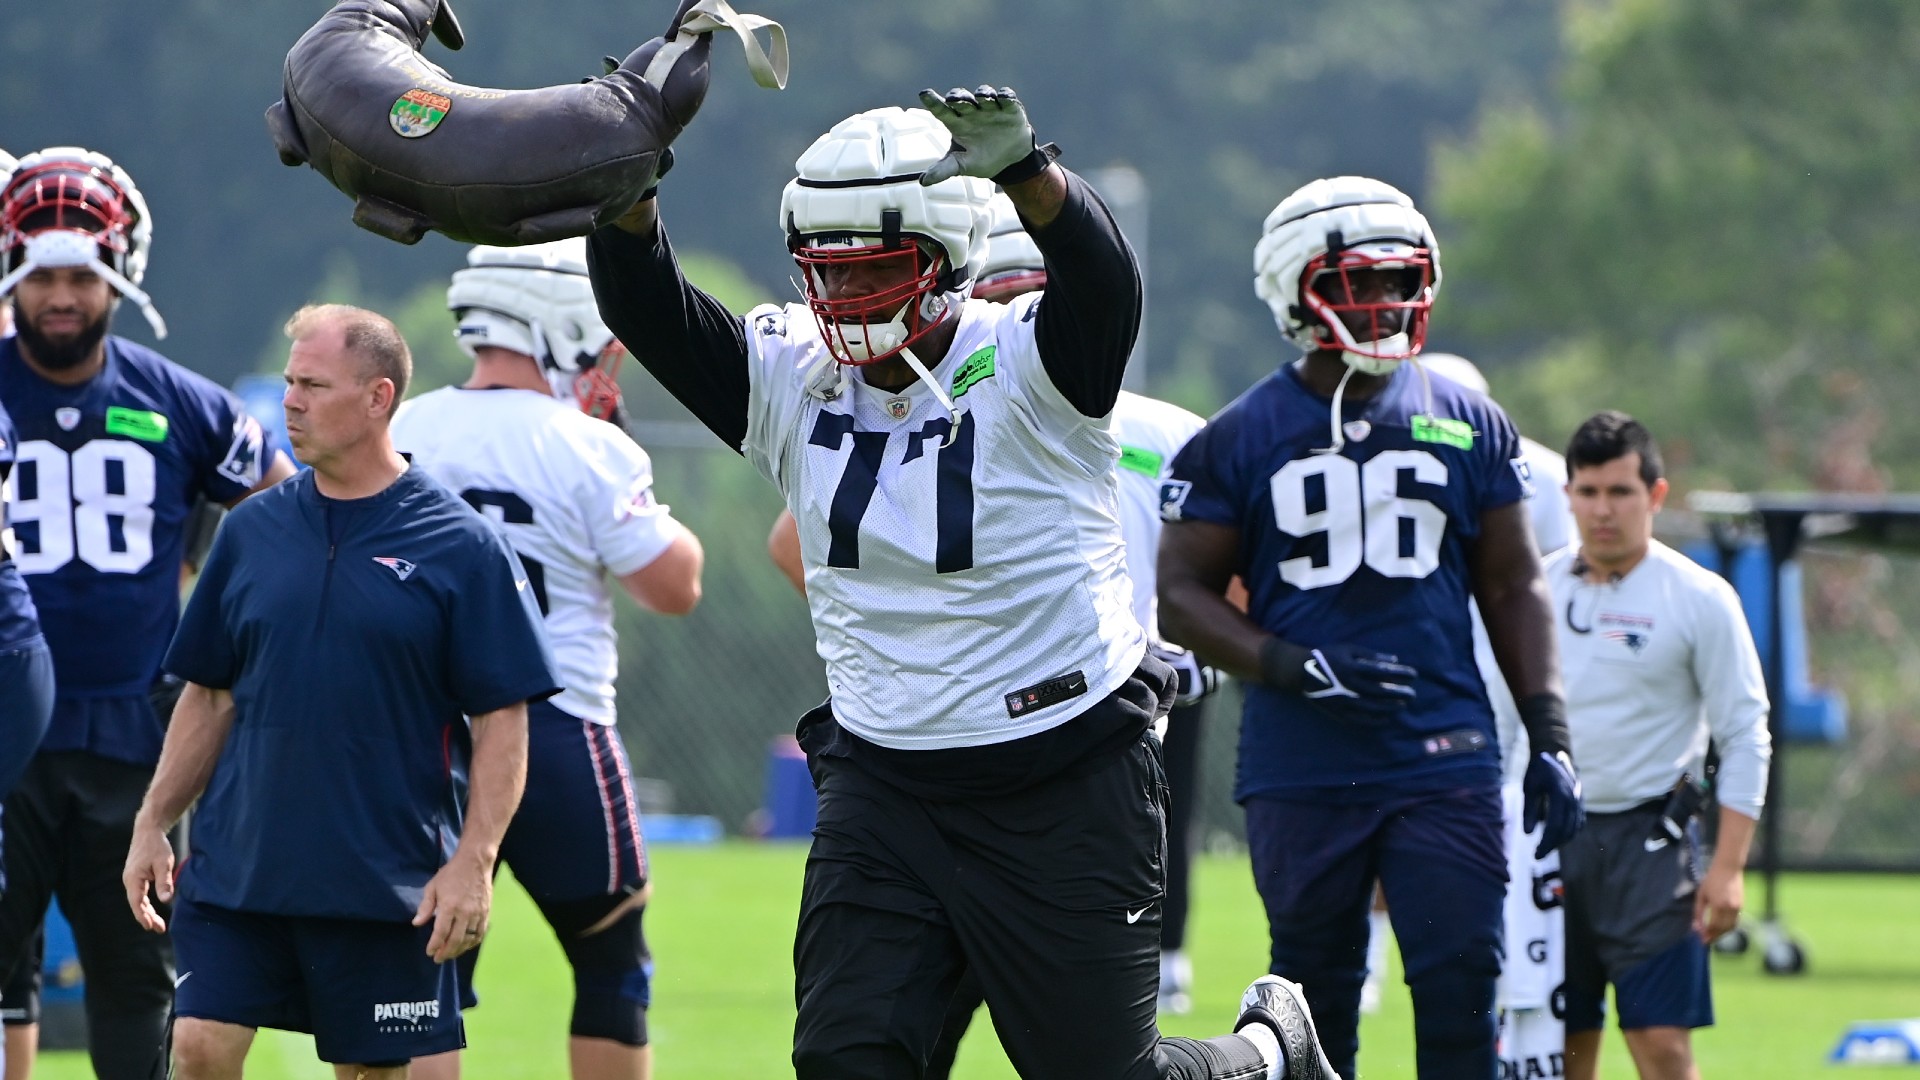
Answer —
(687, 339)
(1090, 315)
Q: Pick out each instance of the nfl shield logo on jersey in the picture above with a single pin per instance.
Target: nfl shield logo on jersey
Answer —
(67, 417)
(899, 407)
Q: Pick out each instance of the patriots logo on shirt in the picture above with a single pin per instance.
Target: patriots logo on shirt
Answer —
(400, 567)
(1632, 639)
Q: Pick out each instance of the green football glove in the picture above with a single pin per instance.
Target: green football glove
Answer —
(991, 136)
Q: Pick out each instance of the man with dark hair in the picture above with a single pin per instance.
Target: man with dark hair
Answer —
(344, 850)
(117, 444)
(1658, 659)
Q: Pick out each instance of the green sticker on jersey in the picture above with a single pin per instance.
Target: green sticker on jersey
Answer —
(1142, 461)
(978, 366)
(136, 424)
(1457, 433)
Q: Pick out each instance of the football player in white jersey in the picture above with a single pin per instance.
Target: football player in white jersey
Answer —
(1150, 432)
(574, 496)
(990, 795)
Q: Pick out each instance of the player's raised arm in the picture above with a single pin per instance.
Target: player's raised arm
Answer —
(1086, 327)
(687, 339)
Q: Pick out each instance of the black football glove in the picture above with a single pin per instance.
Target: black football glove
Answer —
(1550, 790)
(1196, 680)
(1357, 683)
(991, 136)
(1551, 793)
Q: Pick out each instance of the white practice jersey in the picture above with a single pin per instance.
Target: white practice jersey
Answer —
(1150, 433)
(1552, 518)
(968, 586)
(574, 496)
(1654, 663)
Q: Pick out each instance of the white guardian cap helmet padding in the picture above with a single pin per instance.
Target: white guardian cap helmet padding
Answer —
(537, 300)
(858, 197)
(1337, 225)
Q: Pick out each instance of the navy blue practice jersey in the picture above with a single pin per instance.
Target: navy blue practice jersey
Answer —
(106, 474)
(1368, 546)
(19, 625)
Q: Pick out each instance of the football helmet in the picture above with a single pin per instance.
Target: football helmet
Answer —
(1013, 264)
(858, 201)
(537, 300)
(66, 206)
(1328, 230)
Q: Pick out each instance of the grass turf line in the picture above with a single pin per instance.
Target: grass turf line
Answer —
(721, 928)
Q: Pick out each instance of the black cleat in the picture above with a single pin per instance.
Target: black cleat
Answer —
(1280, 1005)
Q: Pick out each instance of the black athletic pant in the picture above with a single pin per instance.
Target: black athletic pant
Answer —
(1181, 751)
(1049, 893)
(69, 824)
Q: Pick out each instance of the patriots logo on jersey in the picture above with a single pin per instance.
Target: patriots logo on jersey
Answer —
(1523, 471)
(1173, 496)
(242, 463)
(401, 567)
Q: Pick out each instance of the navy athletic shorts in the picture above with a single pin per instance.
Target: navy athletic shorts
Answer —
(365, 990)
(577, 832)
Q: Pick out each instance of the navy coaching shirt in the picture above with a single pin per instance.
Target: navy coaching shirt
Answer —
(1368, 546)
(105, 475)
(355, 636)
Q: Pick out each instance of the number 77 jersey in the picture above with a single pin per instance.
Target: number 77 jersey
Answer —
(1368, 546)
(967, 580)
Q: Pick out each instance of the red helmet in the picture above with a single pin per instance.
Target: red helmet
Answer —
(65, 207)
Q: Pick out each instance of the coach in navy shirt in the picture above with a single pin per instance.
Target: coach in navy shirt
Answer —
(347, 623)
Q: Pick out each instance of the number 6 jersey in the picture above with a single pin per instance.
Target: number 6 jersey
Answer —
(106, 473)
(1369, 546)
(967, 582)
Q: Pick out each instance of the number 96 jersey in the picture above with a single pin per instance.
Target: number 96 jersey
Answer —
(1369, 547)
(967, 582)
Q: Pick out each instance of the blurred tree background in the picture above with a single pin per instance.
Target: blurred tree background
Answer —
(1701, 211)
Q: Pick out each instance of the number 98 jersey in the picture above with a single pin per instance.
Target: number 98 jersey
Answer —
(968, 583)
(1368, 546)
(105, 476)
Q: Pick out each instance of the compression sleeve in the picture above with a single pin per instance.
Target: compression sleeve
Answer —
(1090, 314)
(685, 338)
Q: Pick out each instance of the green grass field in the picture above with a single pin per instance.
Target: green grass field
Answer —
(721, 928)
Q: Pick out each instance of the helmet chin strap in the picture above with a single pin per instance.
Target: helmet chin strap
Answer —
(58, 249)
(1339, 432)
